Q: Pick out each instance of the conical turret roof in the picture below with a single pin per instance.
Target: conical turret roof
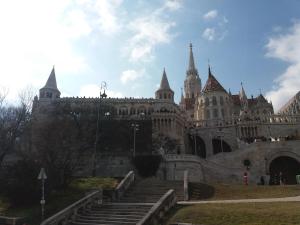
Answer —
(164, 83)
(212, 84)
(51, 82)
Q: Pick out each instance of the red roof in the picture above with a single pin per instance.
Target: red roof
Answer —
(212, 85)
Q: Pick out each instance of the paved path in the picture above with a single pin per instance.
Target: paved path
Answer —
(286, 199)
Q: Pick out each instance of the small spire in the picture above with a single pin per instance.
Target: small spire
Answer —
(229, 92)
(164, 84)
(209, 71)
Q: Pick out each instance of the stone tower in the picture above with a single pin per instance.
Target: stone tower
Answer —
(164, 92)
(50, 90)
(192, 86)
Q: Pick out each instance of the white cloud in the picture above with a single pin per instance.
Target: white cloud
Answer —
(37, 34)
(131, 75)
(173, 5)
(150, 31)
(210, 15)
(93, 90)
(217, 31)
(209, 33)
(285, 47)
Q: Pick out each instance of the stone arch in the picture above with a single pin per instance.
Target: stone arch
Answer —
(270, 157)
(283, 170)
(220, 146)
(198, 146)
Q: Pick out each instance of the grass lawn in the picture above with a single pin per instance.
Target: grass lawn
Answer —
(223, 191)
(239, 214)
(57, 201)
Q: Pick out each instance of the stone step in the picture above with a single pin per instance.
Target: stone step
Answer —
(114, 213)
(110, 223)
(136, 216)
(107, 220)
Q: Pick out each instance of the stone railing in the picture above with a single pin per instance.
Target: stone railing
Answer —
(4, 220)
(160, 208)
(67, 214)
(124, 185)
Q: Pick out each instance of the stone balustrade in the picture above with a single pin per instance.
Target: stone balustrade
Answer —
(66, 215)
(160, 208)
(124, 185)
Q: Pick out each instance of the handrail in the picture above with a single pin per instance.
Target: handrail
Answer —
(158, 210)
(124, 184)
(69, 212)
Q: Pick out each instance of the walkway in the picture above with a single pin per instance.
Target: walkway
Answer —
(286, 199)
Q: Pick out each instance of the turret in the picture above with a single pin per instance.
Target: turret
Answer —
(164, 92)
(243, 98)
(50, 90)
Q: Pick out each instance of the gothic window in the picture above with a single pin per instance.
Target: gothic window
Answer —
(221, 100)
(215, 113)
(169, 96)
(165, 96)
(223, 113)
(160, 96)
(193, 95)
(208, 114)
(214, 100)
(42, 94)
(206, 101)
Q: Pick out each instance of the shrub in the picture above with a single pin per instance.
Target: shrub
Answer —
(19, 183)
(147, 165)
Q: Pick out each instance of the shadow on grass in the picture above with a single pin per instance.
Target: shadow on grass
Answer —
(200, 191)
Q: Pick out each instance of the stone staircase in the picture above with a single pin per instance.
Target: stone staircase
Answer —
(132, 207)
(151, 189)
(113, 213)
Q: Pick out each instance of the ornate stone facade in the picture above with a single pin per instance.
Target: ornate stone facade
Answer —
(207, 121)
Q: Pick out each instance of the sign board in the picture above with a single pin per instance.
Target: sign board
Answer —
(42, 174)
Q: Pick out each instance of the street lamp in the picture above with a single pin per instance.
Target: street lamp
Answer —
(135, 127)
(102, 95)
(42, 176)
(195, 140)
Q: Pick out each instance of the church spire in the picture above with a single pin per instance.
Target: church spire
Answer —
(192, 68)
(191, 61)
(209, 71)
(50, 90)
(164, 92)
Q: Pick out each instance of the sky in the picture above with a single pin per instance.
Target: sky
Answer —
(127, 44)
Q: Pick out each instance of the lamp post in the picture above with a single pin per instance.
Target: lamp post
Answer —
(102, 95)
(42, 176)
(135, 127)
(195, 140)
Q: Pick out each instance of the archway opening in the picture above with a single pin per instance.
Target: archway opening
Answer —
(283, 170)
(220, 146)
(198, 146)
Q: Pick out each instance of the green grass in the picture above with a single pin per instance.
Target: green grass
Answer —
(57, 201)
(239, 214)
(223, 191)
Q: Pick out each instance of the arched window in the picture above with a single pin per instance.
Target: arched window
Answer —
(206, 101)
(216, 113)
(221, 100)
(208, 114)
(214, 100)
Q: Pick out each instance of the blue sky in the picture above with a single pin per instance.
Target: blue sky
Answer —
(128, 43)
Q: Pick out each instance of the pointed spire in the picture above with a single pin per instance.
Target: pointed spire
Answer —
(242, 93)
(209, 71)
(229, 92)
(164, 83)
(51, 82)
(191, 61)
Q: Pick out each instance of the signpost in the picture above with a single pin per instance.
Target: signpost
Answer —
(42, 176)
